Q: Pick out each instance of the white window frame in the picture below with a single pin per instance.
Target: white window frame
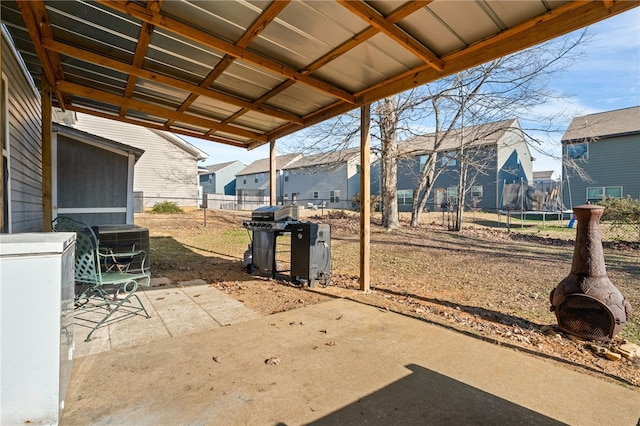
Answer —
(477, 191)
(452, 195)
(334, 196)
(604, 193)
(315, 194)
(404, 196)
(449, 159)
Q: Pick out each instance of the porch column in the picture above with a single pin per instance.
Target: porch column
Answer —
(2, 147)
(365, 197)
(131, 163)
(272, 173)
(47, 206)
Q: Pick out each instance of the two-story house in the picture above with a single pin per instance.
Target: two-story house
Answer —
(329, 179)
(253, 180)
(495, 153)
(220, 178)
(606, 149)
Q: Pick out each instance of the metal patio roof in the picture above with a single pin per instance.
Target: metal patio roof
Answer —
(246, 73)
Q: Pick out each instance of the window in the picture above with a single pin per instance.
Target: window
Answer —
(452, 195)
(358, 168)
(423, 160)
(255, 179)
(244, 180)
(334, 196)
(405, 196)
(599, 193)
(286, 176)
(449, 159)
(315, 194)
(476, 191)
(578, 151)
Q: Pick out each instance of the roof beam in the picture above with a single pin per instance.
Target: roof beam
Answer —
(158, 126)
(125, 68)
(559, 21)
(141, 51)
(156, 110)
(364, 35)
(267, 16)
(376, 20)
(211, 41)
(38, 25)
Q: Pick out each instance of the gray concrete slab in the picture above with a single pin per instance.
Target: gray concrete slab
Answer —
(174, 310)
(338, 362)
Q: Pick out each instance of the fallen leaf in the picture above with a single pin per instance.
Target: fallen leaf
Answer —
(272, 361)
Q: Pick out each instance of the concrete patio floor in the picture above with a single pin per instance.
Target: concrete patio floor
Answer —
(204, 358)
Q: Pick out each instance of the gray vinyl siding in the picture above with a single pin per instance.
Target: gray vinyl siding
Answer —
(612, 162)
(260, 187)
(25, 146)
(323, 180)
(165, 172)
(223, 181)
(508, 160)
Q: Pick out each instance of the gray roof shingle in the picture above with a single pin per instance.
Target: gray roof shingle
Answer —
(483, 134)
(604, 125)
(262, 165)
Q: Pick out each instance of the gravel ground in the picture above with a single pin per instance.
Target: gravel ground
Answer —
(485, 282)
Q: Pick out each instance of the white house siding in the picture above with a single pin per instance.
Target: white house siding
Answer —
(165, 172)
(25, 146)
(514, 140)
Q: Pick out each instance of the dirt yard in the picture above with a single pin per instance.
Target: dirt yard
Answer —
(486, 282)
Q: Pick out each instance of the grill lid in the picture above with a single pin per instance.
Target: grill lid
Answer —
(275, 213)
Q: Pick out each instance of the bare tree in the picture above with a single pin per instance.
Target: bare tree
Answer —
(509, 87)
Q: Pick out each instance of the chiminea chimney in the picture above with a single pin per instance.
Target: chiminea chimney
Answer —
(586, 303)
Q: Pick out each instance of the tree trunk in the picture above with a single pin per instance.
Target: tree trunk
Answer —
(389, 144)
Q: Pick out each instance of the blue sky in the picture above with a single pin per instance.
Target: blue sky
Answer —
(605, 79)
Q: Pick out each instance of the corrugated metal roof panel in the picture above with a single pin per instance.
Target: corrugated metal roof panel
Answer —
(247, 72)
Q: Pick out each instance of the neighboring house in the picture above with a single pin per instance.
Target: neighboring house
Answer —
(253, 180)
(168, 171)
(220, 178)
(546, 181)
(21, 115)
(92, 177)
(499, 147)
(329, 179)
(606, 146)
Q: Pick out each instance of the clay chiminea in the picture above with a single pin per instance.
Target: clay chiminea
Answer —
(586, 303)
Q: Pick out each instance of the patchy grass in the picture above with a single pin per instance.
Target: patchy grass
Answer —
(485, 280)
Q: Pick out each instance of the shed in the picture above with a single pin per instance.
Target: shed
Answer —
(92, 177)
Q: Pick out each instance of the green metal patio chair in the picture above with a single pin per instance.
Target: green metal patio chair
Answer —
(104, 297)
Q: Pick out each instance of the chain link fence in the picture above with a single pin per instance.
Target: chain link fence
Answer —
(542, 224)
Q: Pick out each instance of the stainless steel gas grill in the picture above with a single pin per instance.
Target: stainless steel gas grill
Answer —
(310, 252)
